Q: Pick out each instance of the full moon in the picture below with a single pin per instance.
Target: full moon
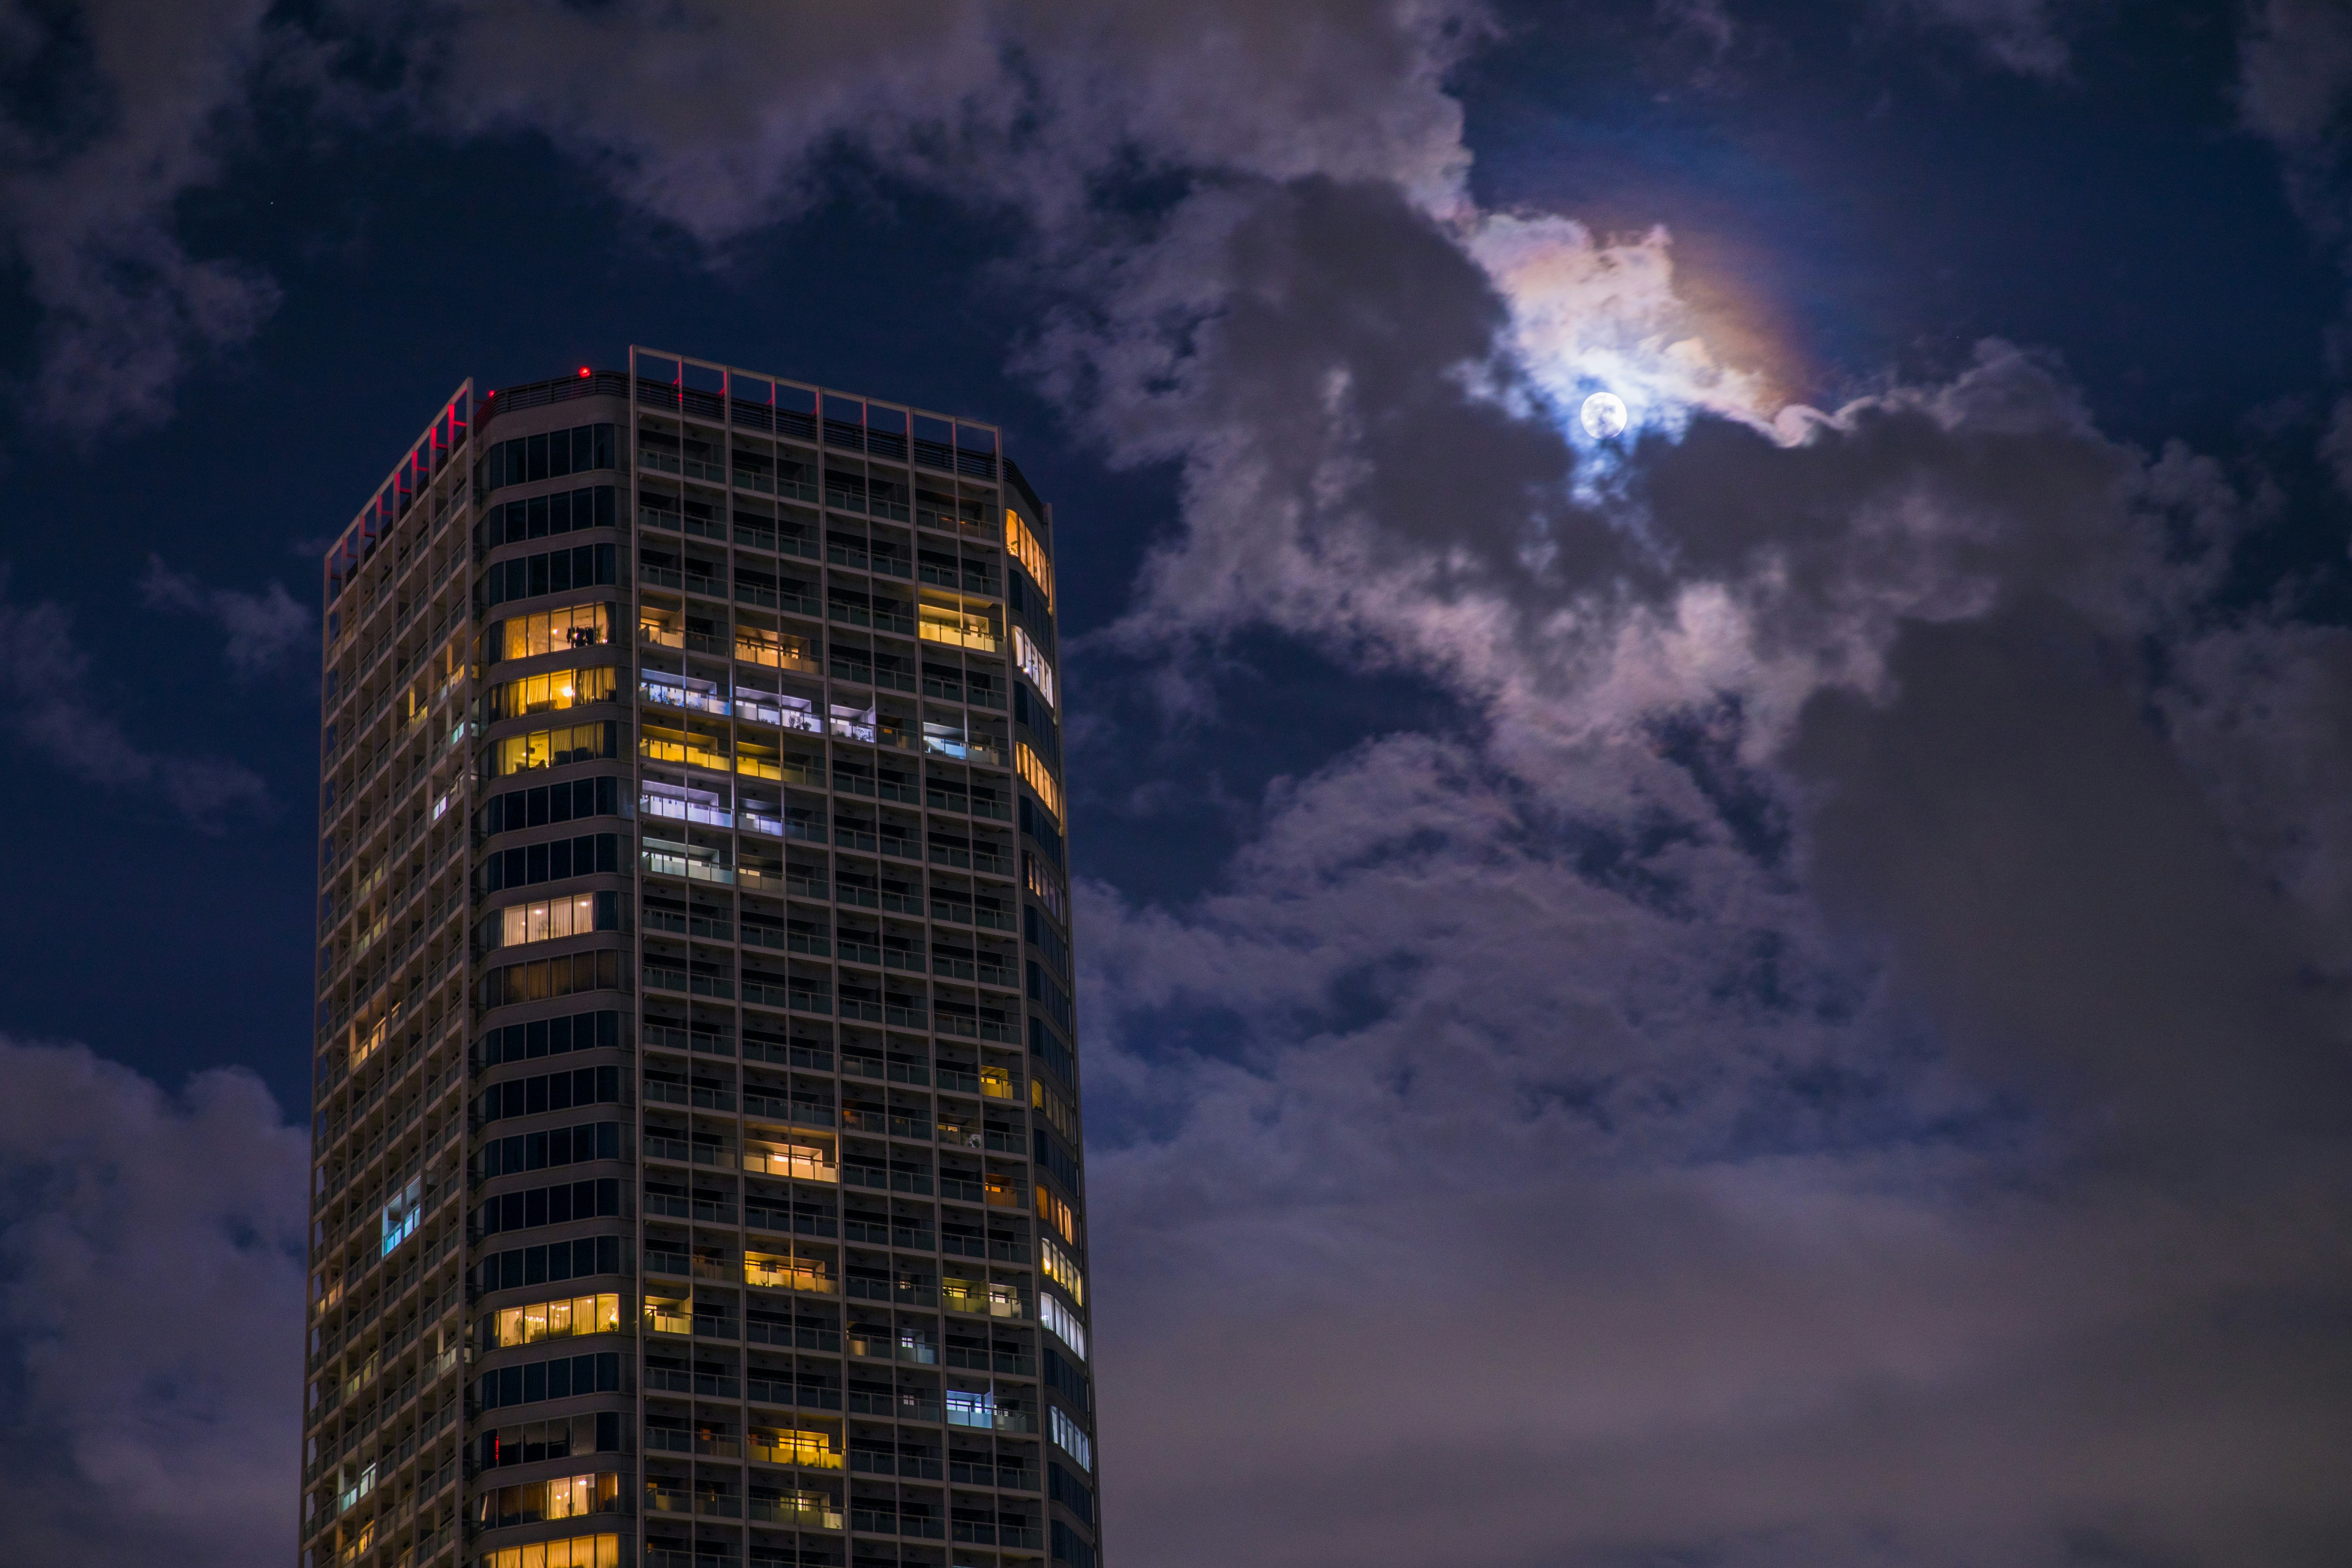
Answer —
(1605, 416)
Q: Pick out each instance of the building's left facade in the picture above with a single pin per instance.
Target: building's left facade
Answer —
(384, 1412)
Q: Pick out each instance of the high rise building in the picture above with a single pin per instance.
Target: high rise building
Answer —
(696, 1133)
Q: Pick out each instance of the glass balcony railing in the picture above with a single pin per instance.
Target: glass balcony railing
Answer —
(686, 697)
(678, 810)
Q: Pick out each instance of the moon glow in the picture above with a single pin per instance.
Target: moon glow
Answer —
(1603, 415)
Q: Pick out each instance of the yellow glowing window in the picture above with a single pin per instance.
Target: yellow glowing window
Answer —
(559, 1320)
(566, 1497)
(1024, 547)
(1063, 1271)
(661, 627)
(365, 1043)
(1057, 1213)
(1058, 1112)
(575, 1496)
(1032, 769)
(696, 746)
(557, 689)
(778, 1272)
(547, 919)
(958, 621)
(553, 631)
(554, 748)
(998, 1083)
(801, 1162)
(797, 1445)
(777, 650)
(670, 1314)
(578, 1551)
(759, 759)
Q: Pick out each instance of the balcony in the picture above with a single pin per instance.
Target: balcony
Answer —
(817, 1512)
(793, 713)
(678, 696)
(690, 861)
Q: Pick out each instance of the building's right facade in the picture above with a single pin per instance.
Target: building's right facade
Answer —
(698, 1176)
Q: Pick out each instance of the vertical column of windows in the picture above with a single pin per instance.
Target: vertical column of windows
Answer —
(554, 1272)
(840, 1171)
(383, 1310)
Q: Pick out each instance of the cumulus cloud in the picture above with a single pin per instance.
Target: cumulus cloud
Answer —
(47, 701)
(1828, 1059)
(150, 1317)
(116, 109)
(1487, 1143)
(2296, 72)
(723, 113)
(2020, 36)
(264, 629)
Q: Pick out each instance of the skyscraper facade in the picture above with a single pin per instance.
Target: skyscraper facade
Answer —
(697, 1160)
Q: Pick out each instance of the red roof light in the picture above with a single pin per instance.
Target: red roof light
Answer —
(584, 370)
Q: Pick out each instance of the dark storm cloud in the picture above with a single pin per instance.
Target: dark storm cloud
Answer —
(1483, 968)
(1775, 1076)
(115, 111)
(151, 1315)
(2063, 892)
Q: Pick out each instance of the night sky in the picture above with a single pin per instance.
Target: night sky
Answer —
(1767, 992)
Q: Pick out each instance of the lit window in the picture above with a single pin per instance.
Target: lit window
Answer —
(801, 1161)
(697, 745)
(365, 1044)
(553, 631)
(559, 1320)
(1057, 1213)
(547, 919)
(1064, 1322)
(1044, 884)
(578, 1551)
(554, 748)
(816, 1450)
(556, 689)
(958, 621)
(401, 1215)
(1058, 1115)
(1032, 664)
(777, 650)
(1063, 1271)
(660, 625)
(1032, 769)
(777, 1271)
(566, 1497)
(972, 1407)
(1024, 548)
(1073, 1440)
